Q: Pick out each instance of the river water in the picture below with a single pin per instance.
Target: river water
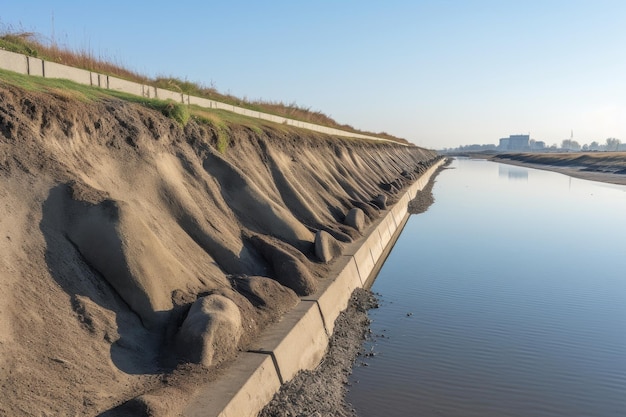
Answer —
(506, 298)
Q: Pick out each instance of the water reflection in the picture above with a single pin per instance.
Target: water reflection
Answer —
(512, 172)
(506, 298)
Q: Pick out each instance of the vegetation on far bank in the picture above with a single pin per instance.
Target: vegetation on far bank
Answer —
(32, 44)
(613, 161)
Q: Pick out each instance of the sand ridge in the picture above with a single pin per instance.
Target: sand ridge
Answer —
(116, 220)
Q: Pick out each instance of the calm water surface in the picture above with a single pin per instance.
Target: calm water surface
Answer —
(506, 298)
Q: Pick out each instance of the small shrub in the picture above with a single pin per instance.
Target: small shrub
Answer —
(223, 140)
(176, 111)
(220, 128)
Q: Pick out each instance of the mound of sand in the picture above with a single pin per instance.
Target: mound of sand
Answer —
(116, 220)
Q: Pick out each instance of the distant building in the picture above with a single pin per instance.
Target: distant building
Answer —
(537, 145)
(515, 143)
(519, 142)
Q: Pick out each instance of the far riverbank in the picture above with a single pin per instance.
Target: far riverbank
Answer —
(608, 167)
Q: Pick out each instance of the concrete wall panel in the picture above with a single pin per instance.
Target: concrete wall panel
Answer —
(375, 245)
(54, 70)
(412, 192)
(35, 66)
(168, 95)
(297, 342)
(11, 61)
(272, 118)
(334, 294)
(381, 238)
(125, 86)
(250, 384)
(202, 102)
(385, 228)
(149, 91)
(100, 80)
(399, 211)
(364, 261)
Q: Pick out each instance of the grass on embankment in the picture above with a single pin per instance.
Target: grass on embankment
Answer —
(31, 44)
(222, 121)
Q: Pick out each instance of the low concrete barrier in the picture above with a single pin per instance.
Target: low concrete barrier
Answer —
(54, 70)
(241, 393)
(163, 94)
(118, 84)
(21, 64)
(377, 246)
(297, 342)
(363, 258)
(14, 62)
(386, 228)
(331, 297)
(33, 66)
(300, 339)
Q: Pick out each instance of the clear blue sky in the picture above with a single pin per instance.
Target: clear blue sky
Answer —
(440, 73)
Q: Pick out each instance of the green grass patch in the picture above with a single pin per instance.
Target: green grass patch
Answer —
(85, 93)
(55, 86)
(33, 44)
(219, 125)
(220, 120)
(257, 130)
(176, 111)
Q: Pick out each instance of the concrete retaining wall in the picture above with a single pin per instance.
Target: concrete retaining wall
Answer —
(251, 381)
(14, 62)
(33, 66)
(300, 339)
(54, 70)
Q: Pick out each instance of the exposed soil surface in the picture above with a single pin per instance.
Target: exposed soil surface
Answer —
(136, 259)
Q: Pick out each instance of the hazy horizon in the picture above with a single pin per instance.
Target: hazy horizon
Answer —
(438, 73)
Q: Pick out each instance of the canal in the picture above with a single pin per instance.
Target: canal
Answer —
(506, 298)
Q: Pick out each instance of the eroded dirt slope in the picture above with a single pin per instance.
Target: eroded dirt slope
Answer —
(115, 220)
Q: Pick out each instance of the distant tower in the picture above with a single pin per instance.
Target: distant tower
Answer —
(571, 136)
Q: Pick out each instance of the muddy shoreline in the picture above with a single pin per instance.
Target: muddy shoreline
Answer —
(321, 392)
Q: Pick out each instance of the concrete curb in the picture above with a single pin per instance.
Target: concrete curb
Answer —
(300, 339)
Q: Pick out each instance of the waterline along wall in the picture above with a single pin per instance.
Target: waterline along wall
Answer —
(28, 65)
(300, 339)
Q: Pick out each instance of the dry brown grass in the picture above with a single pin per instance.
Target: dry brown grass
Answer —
(581, 159)
(32, 44)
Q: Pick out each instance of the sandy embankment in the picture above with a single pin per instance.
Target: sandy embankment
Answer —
(609, 167)
(136, 259)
